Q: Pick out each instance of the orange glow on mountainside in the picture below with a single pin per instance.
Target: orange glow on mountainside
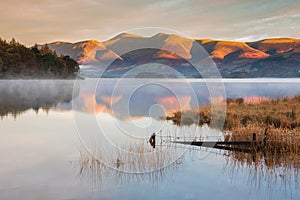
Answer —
(223, 48)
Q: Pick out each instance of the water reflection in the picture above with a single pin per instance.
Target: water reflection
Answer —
(137, 98)
(170, 95)
(32, 146)
(98, 173)
(17, 96)
(240, 169)
(264, 171)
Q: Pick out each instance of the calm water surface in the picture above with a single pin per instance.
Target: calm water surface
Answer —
(47, 125)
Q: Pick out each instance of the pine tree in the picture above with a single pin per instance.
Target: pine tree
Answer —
(45, 49)
(1, 64)
(13, 42)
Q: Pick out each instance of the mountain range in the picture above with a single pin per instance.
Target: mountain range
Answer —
(274, 57)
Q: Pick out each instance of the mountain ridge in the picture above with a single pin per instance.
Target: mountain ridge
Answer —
(271, 57)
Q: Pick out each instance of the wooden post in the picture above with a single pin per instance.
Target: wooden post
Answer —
(266, 136)
(254, 137)
(152, 140)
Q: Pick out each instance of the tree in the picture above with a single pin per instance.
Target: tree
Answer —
(16, 59)
(1, 65)
(45, 49)
(13, 42)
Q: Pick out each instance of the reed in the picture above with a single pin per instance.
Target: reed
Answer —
(133, 162)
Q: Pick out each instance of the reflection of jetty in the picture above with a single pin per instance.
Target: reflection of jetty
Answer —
(239, 146)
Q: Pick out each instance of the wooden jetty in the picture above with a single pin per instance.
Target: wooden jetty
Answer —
(246, 147)
(239, 146)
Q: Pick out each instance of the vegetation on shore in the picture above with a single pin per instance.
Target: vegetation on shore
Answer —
(276, 124)
(277, 119)
(277, 113)
(18, 61)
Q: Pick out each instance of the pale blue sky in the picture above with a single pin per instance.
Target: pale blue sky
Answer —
(44, 21)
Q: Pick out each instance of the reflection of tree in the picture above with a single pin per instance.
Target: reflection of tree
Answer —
(18, 96)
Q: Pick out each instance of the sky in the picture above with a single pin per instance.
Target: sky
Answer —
(44, 21)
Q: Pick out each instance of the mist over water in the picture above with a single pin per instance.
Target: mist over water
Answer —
(20, 95)
(91, 94)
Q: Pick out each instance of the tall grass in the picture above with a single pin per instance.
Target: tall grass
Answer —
(135, 164)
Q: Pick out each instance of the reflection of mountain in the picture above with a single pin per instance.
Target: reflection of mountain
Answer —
(133, 99)
(266, 58)
(18, 96)
(124, 102)
(129, 98)
(138, 107)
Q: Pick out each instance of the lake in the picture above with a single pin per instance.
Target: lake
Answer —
(88, 139)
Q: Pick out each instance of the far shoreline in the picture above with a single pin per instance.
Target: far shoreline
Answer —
(224, 80)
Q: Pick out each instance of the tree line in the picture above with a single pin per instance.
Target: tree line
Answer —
(16, 60)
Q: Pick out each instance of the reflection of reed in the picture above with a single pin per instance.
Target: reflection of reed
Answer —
(132, 166)
(266, 166)
(274, 158)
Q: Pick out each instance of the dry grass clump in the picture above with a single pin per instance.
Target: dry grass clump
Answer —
(274, 140)
(282, 112)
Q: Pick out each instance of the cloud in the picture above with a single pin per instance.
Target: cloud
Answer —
(45, 21)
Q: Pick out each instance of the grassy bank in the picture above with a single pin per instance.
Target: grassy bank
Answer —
(277, 119)
(277, 113)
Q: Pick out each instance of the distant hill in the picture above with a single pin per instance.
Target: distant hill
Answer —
(275, 57)
(18, 61)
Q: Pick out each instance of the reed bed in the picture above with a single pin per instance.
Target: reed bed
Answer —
(281, 112)
(275, 149)
(276, 122)
(135, 164)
